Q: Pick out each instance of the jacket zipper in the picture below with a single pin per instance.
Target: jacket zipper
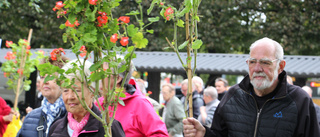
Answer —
(259, 111)
(256, 126)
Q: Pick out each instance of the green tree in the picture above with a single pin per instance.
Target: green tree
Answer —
(19, 18)
(225, 27)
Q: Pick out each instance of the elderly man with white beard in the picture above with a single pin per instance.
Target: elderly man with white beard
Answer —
(263, 104)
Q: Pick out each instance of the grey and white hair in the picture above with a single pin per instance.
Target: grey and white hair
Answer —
(77, 74)
(225, 82)
(170, 86)
(197, 78)
(142, 87)
(211, 91)
(278, 48)
(185, 81)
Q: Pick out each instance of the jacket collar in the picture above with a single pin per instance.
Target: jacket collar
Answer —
(281, 88)
(91, 126)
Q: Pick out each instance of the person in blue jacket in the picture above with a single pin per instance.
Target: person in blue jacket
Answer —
(38, 121)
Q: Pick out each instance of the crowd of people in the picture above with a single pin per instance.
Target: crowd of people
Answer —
(264, 103)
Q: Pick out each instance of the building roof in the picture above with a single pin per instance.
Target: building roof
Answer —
(209, 63)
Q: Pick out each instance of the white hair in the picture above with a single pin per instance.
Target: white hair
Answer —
(198, 79)
(308, 90)
(79, 63)
(211, 91)
(278, 48)
(142, 87)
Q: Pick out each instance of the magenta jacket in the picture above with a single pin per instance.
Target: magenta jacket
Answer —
(137, 117)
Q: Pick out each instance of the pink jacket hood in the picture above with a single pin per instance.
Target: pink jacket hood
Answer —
(137, 117)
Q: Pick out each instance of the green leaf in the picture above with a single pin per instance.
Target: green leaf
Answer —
(115, 3)
(88, 37)
(79, 7)
(151, 6)
(184, 44)
(186, 9)
(72, 18)
(122, 69)
(95, 66)
(113, 26)
(165, 48)
(97, 76)
(121, 102)
(62, 26)
(139, 40)
(122, 95)
(91, 14)
(136, 12)
(65, 37)
(196, 44)
(197, 18)
(48, 78)
(130, 49)
(156, 19)
(77, 46)
(132, 30)
(150, 31)
(26, 87)
(180, 23)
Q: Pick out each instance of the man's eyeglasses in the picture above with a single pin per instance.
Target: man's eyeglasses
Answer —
(262, 62)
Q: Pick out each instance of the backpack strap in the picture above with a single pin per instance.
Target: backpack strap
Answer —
(40, 128)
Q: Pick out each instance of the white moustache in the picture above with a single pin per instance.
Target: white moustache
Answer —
(258, 74)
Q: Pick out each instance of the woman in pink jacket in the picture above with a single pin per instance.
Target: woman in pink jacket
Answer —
(137, 117)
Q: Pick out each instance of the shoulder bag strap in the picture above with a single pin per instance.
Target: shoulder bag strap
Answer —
(40, 128)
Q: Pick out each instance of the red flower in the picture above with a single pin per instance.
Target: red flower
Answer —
(59, 5)
(102, 13)
(56, 52)
(102, 20)
(83, 51)
(8, 43)
(28, 47)
(125, 19)
(161, 3)
(93, 2)
(10, 56)
(28, 52)
(124, 41)
(59, 14)
(114, 38)
(6, 74)
(149, 92)
(20, 71)
(68, 24)
(41, 51)
(168, 13)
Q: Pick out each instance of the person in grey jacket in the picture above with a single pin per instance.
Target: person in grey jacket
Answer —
(210, 97)
(309, 91)
(38, 121)
(173, 112)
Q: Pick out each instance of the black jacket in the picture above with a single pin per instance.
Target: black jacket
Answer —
(93, 128)
(290, 113)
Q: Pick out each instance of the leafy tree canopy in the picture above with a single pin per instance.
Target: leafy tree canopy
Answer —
(225, 27)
